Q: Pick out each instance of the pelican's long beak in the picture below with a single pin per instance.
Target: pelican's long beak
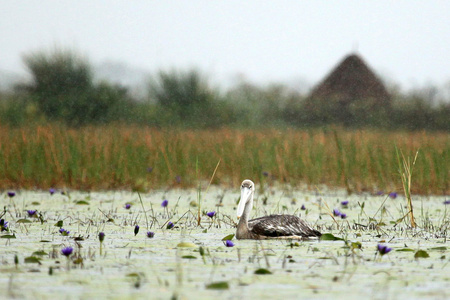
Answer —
(246, 193)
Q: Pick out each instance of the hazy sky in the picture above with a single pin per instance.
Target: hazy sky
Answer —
(407, 42)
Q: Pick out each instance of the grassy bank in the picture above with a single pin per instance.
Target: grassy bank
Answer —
(144, 158)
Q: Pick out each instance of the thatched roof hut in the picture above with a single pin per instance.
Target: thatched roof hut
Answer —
(352, 80)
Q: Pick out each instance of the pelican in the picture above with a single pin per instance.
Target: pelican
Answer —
(273, 226)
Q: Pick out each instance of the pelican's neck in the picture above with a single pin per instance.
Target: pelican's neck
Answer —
(242, 228)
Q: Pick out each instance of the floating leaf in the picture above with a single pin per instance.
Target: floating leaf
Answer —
(405, 250)
(82, 202)
(59, 223)
(133, 275)
(39, 253)
(8, 236)
(35, 203)
(228, 237)
(356, 245)
(32, 260)
(262, 271)
(23, 221)
(79, 238)
(44, 241)
(441, 248)
(220, 285)
(330, 237)
(189, 257)
(187, 245)
(421, 254)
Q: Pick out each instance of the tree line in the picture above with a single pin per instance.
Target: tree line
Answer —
(63, 90)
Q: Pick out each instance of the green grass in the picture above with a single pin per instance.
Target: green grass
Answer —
(110, 157)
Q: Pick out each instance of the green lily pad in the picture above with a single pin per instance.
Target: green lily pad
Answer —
(228, 237)
(330, 237)
(23, 221)
(32, 260)
(421, 254)
(187, 245)
(220, 285)
(262, 271)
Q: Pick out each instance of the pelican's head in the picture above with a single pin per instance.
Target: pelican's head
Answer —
(247, 190)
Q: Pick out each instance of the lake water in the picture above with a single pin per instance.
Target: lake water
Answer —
(171, 265)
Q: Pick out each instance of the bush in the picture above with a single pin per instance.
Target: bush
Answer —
(63, 90)
(186, 99)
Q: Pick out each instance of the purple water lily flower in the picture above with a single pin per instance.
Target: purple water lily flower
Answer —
(3, 225)
(136, 230)
(11, 194)
(336, 212)
(150, 234)
(170, 225)
(229, 243)
(51, 191)
(393, 195)
(101, 237)
(127, 206)
(446, 202)
(64, 232)
(67, 251)
(165, 203)
(303, 207)
(383, 249)
(211, 214)
(344, 203)
(31, 213)
(343, 216)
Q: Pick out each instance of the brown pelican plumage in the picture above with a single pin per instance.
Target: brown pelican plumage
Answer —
(273, 226)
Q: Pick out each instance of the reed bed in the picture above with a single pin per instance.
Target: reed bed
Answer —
(139, 158)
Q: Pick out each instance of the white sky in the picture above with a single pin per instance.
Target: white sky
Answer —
(405, 41)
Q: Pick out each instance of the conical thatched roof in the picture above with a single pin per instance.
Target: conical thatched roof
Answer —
(352, 80)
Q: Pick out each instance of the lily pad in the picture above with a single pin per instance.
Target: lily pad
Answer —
(23, 221)
(187, 245)
(228, 237)
(330, 237)
(189, 257)
(421, 254)
(32, 260)
(220, 285)
(262, 271)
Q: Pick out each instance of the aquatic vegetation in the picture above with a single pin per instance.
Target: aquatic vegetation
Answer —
(3, 225)
(64, 232)
(190, 259)
(383, 249)
(136, 230)
(392, 195)
(67, 251)
(229, 243)
(99, 158)
(31, 213)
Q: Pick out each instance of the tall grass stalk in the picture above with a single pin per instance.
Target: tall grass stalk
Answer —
(406, 170)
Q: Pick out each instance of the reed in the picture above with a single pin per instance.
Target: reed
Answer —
(139, 158)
